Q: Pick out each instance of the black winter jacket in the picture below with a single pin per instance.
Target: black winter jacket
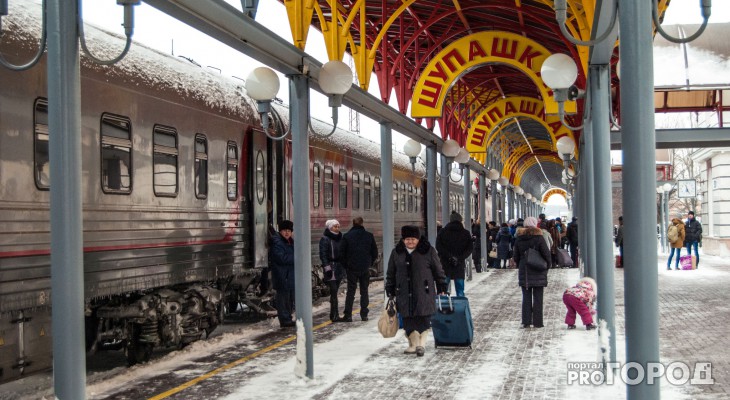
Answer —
(358, 250)
(329, 246)
(454, 241)
(415, 279)
(693, 231)
(572, 233)
(531, 238)
(281, 260)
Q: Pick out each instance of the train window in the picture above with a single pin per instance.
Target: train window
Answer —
(40, 144)
(232, 170)
(116, 154)
(260, 177)
(395, 196)
(201, 166)
(316, 178)
(342, 184)
(410, 198)
(403, 197)
(164, 161)
(329, 175)
(366, 192)
(355, 191)
(376, 192)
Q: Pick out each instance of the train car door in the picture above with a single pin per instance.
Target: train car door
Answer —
(259, 218)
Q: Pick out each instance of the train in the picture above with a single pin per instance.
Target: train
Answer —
(181, 190)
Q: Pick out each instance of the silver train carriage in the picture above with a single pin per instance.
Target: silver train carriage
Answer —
(180, 192)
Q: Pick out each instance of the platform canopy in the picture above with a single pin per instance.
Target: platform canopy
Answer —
(472, 67)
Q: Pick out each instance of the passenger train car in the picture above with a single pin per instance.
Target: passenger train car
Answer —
(181, 189)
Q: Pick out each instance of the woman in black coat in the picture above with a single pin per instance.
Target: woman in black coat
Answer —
(329, 254)
(504, 245)
(531, 281)
(414, 278)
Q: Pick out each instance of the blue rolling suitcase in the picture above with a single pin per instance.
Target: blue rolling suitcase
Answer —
(452, 324)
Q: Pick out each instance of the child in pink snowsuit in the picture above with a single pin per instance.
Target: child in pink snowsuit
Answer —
(580, 299)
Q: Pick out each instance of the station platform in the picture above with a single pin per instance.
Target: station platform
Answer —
(352, 360)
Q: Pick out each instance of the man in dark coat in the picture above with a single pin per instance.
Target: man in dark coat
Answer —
(531, 281)
(476, 253)
(492, 231)
(281, 259)
(358, 252)
(414, 278)
(572, 235)
(692, 235)
(454, 245)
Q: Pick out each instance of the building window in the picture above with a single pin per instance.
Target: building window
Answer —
(342, 184)
(417, 201)
(355, 191)
(232, 170)
(201, 166)
(376, 191)
(329, 175)
(40, 144)
(366, 192)
(410, 198)
(395, 196)
(316, 178)
(402, 197)
(116, 154)
(164, 161)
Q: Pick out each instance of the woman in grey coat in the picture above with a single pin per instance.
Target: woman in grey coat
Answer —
(414, 278)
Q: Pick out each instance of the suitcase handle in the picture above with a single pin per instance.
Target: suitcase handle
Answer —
(451, 305)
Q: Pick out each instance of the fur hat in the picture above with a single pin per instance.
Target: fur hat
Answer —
(455, 216)
(530, 222)
(410, 231)
(286, 224)
(330, 223)
(591, 282)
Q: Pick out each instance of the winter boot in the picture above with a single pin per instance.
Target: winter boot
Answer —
(421, 347)
(590, 327)
(413, 340)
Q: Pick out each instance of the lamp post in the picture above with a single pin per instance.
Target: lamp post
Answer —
(493, 176)
(412, 148)
(503, 181)
(559, 72)
(449, 150)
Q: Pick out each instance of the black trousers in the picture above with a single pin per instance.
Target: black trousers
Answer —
(353, 279)
(574, 254)
(532, 306)
(284, 305)
(334, 306)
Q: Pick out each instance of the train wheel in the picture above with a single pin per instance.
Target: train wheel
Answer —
(136, 351)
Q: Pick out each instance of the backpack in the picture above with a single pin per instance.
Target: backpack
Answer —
(673, 233)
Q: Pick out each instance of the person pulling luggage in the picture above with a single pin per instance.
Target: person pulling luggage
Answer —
(454, 245)
(414, 278)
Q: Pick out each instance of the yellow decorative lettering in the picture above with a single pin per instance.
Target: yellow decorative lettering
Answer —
(456, 56)
(504, 50)
(475, 50)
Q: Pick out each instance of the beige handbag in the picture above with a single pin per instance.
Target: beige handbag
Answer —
(388, 322)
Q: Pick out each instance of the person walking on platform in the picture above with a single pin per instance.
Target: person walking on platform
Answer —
(358, 252)
(579, 299)
(281, 259)
(476, 253)
(531, 281)
(675, 235)
(454, 245)
(572, 235)
(414, 278)
(693, 236)
(329, 255)
(492, 231)
(504, 246)
(619, 240)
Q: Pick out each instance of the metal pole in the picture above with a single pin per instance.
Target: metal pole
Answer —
(589, 225)
(494, 200)
(386, 175)
(510, 193)
(431, 193)
(600, 85)
(483, 218)
(444, 191)
(299, 100)
(467, 212)
(67, 254)
(667, 217)
(639, 181)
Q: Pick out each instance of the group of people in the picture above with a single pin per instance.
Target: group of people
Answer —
(684, 234)
(417, 271)
(347, 256)
(501, 241)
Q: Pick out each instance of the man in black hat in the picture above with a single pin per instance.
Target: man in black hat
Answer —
(358, 252)
(281, 259)
(693, 235)
(454, 245)
(572, 235)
